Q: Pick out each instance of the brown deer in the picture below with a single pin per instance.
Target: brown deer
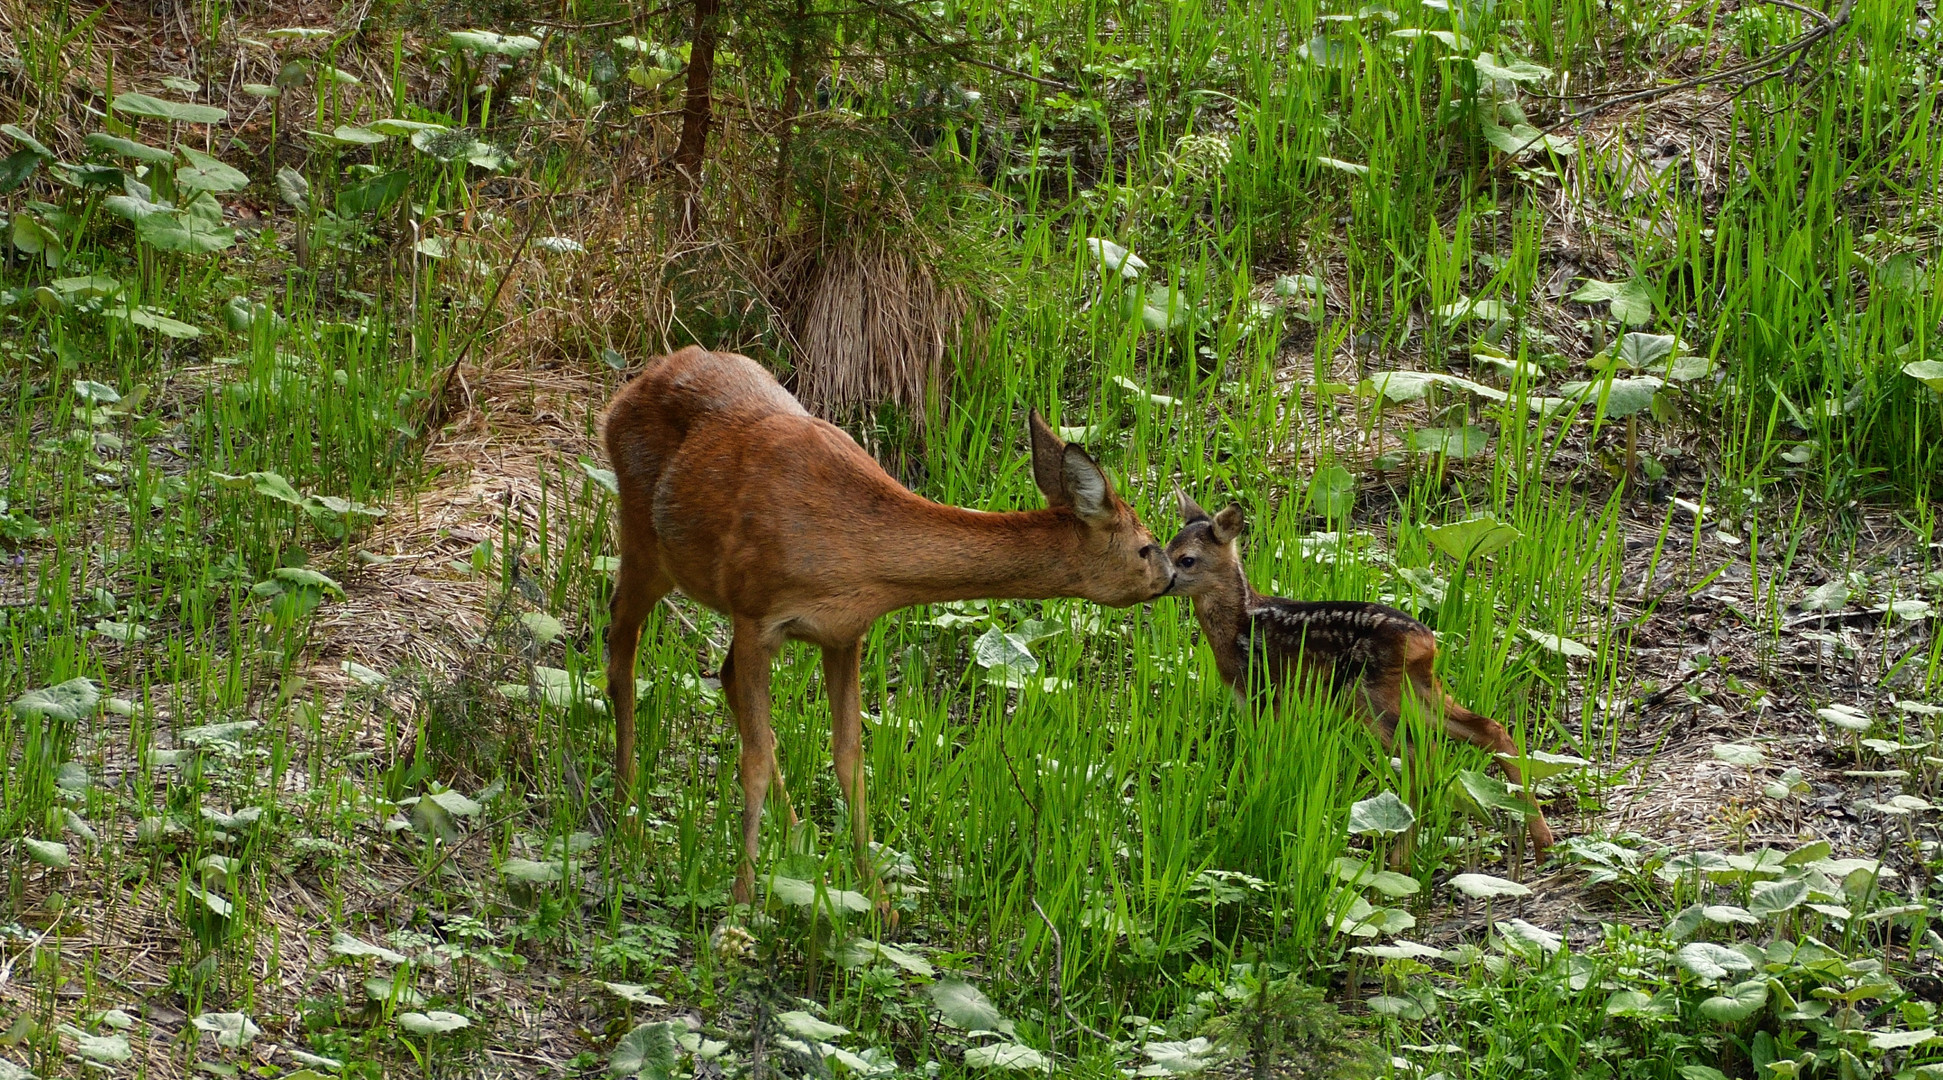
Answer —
(731, 492)
(1367, 651)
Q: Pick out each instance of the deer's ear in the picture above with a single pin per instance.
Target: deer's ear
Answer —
(1229, 524)
(1086, 486)
(1048, 461)
(1191, 511)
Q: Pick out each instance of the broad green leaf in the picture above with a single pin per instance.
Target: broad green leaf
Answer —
(205, 173)
(443, 145)
(605, 478)
(804, 1026)
(1342, 166)
(1711, 962)
(1399, 950)
(162, 323)
(1465, 307)
(1490, 793)
(1471, 538)
(1846, 717)
(1927, 372)
(231, 1030)
(485, 41)
(649, 1051)
(1486, 887)
(1156, 306)
(454, 803)
(275, 486)
(1901, 1040)
(217, 734)
(1738, 1003)
(798, 893)
(1539, 765)
(1831, 595)
(1526, 139)
(996, 648)
(1332, 492)
(544, 627)
(344, 944)
(1183, 1058)
(407, 128)
(17, 168)
(87, 389)
(128, 148)
(966, 1007)
(634, 994)
(27, 141)
(1014, 1056)
(293, 188)
(1460, 442)
(1413, 385)
(1114, 259)
(1633, 1003)
(353, 135)
(373, 196)
(531, 872)
(1382, 815)
(48, 853)
(1616, 397)
(1740, 754)
(1140, 393)
(191, 230)
(862, 951)
(432, 1023)
(1645, 352)
(179, 111)
(100, 1048)
(75, 699)
(1774, 897)
(1518, 931)
(1563, 646)
(91, 285)
(1388, 882)
(1631, 300)
(1509, 70)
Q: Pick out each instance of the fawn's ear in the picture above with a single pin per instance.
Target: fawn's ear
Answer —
(1229, 523)
(1087, 489)
(1048, 461)
(1191, 511)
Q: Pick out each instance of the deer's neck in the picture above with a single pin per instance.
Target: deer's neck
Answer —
(1223, 615)
(946, 553)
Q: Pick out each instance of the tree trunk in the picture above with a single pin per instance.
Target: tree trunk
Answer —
(695, 107)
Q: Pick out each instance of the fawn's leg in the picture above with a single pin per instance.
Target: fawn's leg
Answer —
(1482, 731)
(638, 586)
(747, 688)
(841, 678)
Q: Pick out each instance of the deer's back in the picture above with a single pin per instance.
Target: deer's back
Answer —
(745, 494)
(1350, 645)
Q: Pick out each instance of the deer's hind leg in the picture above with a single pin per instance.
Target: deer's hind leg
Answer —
(842, 679)
(746, 684)
(1480, 731)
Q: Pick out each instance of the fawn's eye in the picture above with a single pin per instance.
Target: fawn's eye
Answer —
(1147, 552)
(1184, 561)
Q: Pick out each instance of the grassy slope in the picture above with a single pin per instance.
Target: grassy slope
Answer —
(1116, 795)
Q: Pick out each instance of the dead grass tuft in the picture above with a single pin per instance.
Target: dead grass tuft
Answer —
(873, 322)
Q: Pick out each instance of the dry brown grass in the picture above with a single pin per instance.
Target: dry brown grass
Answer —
(872, 323)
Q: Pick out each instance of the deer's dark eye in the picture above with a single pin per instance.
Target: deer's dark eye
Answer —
(1147, 552)
(1184, 562)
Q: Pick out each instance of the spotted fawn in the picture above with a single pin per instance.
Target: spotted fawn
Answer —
(1365, 651)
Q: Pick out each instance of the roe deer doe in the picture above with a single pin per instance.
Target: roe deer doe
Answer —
(1367, 650)
(731, 492)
